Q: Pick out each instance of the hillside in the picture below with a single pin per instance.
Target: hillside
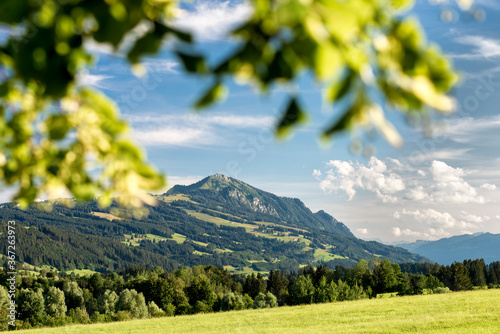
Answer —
(236, 196)
(458, 248)
(218, 220)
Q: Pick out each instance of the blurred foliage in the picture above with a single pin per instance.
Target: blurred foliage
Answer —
(364, 52)
(58, 138)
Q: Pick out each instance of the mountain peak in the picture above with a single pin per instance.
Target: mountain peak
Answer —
(216, 182)
(218, 176)
(232, 195)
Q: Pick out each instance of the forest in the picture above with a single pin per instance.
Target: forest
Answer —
(56, 299)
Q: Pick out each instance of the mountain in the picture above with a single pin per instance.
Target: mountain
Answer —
(237, 196)
(458, 248)
(218, 220)
(411, 246)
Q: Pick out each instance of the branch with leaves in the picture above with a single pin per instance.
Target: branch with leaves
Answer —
(58, 138)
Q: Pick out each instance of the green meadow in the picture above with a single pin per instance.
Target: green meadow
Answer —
(457, 312)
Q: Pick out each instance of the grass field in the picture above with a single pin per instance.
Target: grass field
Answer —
(459, 312)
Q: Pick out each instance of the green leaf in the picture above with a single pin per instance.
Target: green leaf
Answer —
(340, 89)
(328, 60)
(151, 42)
(213, 94)
(350, 117)
(293, 115)
(148, 44)
(192, 63)
(278, 68)
(402, 4)
(14, 11)
(183, 36)
(58, 126)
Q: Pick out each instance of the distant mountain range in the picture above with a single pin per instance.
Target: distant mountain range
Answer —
(458, 248)
(218, 220)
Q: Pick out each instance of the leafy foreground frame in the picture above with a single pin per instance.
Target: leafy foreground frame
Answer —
(57, 137)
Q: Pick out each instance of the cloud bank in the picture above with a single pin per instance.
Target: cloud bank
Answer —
(392, 181)
(193, 130)
(432, 201)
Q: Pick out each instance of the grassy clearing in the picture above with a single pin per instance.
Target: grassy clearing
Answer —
(219, 250)
(200, 253)
(179, 238)
(81, 272)
(220, 221)
(137, 238)
(154, 237)
(105, 215)
(325, 256)
(280, 225)
(176, 197)
(204, 244)
(460, 312)
(250, 228)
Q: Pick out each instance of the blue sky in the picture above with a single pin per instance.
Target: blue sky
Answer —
(430, 188)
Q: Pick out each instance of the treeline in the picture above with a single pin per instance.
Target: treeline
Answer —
(52, 299)
(459, 275)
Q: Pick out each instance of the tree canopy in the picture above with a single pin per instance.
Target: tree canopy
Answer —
(57, 137)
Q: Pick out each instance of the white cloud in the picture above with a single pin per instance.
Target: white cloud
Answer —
(240, 121)
(86, 79)
(174, 136)
(417, 194)
(450, 186)
(441, 155)
(161, 66)
(473, 218)
(483, 47)
(437, 233)
(363, 231)
(192, 130)
(438, 220)
(488, 186)
(212, 119)
(396, 231)
(7, 194)
(212, 20)
(429, 234)
(317, 173)
(95, 47)
(375, 177)
(463, 129)
(395, 182)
